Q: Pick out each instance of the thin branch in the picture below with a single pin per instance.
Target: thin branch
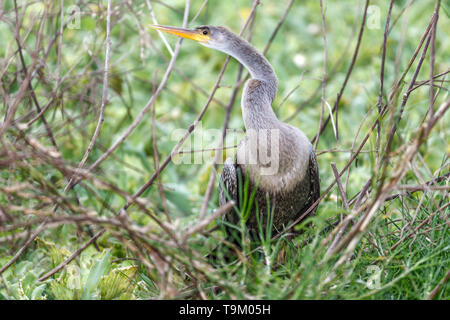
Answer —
(278, 26)
(156, 158)
(324, 73)
(73, 256)
(22, 250)
(383, 60)
(435, 291)
(205, 222)
(161, 35)
(205, 2)
(433, 58)
(101, 117)
(347, 76)
(346, 206)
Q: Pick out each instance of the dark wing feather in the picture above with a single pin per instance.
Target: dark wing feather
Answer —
(314, 191)
(229, 180)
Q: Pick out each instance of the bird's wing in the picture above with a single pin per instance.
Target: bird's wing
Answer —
(314, 189)
(228, 183)
(228, 190)
(315, 179)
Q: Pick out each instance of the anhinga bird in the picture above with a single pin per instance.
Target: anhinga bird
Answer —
(293, 186)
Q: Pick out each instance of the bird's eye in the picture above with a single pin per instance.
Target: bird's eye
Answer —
(205, 32)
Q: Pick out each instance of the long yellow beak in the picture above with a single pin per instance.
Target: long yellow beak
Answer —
(184, 33)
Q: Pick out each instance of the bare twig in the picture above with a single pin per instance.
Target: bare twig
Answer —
(101, 117)
(156, 157)
(161, 35)
(72, 256)
(205, 222)
(22, 250)
(347, 75)
(383, 60)
(324, 73)
(435, 291)
(346, 206)
(432, 58)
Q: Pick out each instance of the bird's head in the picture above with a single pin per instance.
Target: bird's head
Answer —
(210, 36)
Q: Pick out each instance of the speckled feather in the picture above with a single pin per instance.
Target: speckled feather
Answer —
(287, 206)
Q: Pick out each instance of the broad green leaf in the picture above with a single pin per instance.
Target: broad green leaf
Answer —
(37, 292)
(100, 268)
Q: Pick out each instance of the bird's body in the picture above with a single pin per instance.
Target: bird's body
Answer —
(293, 184)
(288, 205)
(276, 158)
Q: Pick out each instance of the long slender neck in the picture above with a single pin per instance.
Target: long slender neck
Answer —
(260, 91)
(286, 148)
(255, 63)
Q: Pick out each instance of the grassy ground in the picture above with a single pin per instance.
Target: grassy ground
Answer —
(124, 231)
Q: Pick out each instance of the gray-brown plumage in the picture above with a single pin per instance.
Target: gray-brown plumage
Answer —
(290, 180)
(287, 206)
